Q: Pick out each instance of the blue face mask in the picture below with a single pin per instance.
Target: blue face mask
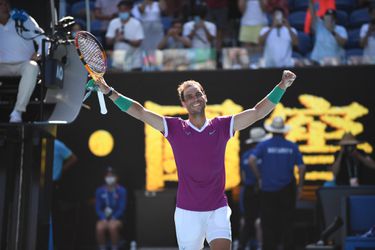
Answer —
(197, 19)
(123, 15)
(74, 34)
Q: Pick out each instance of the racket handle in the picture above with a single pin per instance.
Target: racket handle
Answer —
(103, 108)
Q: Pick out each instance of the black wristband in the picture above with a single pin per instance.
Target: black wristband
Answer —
(110, 92)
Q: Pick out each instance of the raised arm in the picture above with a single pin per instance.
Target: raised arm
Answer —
(265, 106)
(132, 107)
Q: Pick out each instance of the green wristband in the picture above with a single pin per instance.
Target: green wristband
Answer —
(275, 95)
(123, 103)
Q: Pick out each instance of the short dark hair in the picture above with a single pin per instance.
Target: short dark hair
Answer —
(176, 20)
(126, 3)
(331, 12)
(181, 88)
(200, 10)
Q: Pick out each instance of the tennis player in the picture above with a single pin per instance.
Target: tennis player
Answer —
(198, 144)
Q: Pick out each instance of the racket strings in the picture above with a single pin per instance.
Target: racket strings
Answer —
(92, 54)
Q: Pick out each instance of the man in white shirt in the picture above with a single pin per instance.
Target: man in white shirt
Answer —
(126, 33)
(201, 32)
(18, 55)
(279, 40)
(367, 35)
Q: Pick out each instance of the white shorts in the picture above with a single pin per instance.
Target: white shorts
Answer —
(193, 227)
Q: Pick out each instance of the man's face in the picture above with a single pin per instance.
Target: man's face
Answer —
(4, 8)
(278, 16)
(177, 28)
(329, 20)
(194, 100)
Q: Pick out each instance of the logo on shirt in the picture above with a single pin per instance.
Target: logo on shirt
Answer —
(212, 132)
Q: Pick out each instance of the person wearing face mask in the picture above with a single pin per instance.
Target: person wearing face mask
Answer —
(201, 32)
(352, 166)
(330, 38)
(278, 40)
(126, 33)
(173, 39)
(367, 35)
(111, 201)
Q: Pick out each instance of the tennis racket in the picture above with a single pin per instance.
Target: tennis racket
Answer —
(94, 59)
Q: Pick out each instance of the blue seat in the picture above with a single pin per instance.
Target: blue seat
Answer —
(360, 218)
(301, 5)
(359, 17)
(354, 52)
(342, 18)
(167, 22)
(345, 5)
(304, 43)
(353, 39)
(78, 9)
(297, 19)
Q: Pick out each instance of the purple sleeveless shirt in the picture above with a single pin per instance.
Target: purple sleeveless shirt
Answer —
(199, 156)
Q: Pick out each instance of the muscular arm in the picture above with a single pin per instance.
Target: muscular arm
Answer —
(136, 109)
(262, 108)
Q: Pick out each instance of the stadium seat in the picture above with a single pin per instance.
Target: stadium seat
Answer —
(297, 55)
(301, 5)
(78, 8)
(291, 5)
(297, 19)
(304, 43)
(167, 22)
(353, 52)
(342, 18)
(345, 5)
(359, 17)
(360, 218)
(353, 39)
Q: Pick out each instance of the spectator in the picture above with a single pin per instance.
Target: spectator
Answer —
(111, 200)
(126, 33)
(350, 162)
(149, 13)
(367, 35)
(174, 39)
(20, 49)
(320, 7)
(218, 14)
(253, 20)
(201, 32)
(276, 180)
(105, 11)
(279, 40)
(329, 37)
(250, 200)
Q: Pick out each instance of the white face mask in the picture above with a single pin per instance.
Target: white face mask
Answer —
(110, 180)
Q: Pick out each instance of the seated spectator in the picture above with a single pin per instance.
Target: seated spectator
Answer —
(111, 201)
(126, 33)
(18, 55)
(201, 32)
(329, 37)
(367, 35)
(174, 39)
(320, 7)
(278, 40)
(149, 13)
(253, 20)
(350, 163)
